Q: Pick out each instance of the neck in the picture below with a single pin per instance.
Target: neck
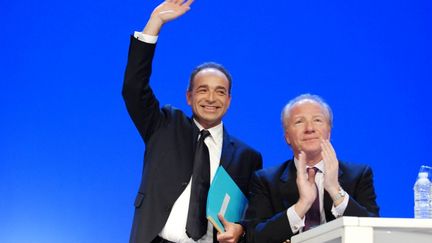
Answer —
(206, 125)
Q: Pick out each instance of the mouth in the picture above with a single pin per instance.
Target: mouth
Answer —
(309, 139)
(210, 108)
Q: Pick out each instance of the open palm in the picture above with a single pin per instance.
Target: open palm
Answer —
(171, 9)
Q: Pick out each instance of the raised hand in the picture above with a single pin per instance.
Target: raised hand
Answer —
(165, 12)
(331, 165)
(306, 187)
(232, 233)
(171, 9)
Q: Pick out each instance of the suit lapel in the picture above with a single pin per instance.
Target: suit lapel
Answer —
(195, 132)
(288, 186)
(227, 150)
(189, 156)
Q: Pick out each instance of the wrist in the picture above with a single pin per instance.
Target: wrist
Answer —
(243, 232)
(153, 26)
(332, 188)
(301, 207)
(338, 196)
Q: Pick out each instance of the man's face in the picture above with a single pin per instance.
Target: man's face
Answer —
(306, 124)
(209, 97)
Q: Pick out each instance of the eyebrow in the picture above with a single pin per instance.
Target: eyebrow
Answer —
(313, 116)
(202, 86)
(221, 87)
(216, 88)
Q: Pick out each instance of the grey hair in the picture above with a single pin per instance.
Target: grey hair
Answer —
(315, 98)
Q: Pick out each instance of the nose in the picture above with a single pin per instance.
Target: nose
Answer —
(210, 96)
(310, 127)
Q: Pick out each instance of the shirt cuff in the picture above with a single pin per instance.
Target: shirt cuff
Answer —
(295, 221)
(339, 210)
(150, 39)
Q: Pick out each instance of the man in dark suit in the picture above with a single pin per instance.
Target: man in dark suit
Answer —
(165, 193)
(314, 187)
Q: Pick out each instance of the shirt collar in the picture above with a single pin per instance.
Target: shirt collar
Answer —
(216, 132)
(319, 165)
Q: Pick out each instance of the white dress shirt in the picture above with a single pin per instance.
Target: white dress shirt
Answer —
(298, 223)
(175, 227)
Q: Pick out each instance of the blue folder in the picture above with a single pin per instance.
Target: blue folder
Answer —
(226, 198)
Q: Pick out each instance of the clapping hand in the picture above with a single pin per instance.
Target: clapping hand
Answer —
(306, 187)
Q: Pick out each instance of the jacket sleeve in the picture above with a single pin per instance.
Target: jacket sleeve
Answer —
(262, 222)
(141, 103)
(362, 202)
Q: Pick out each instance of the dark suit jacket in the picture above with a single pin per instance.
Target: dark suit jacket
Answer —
(274, 190)
(170, 137)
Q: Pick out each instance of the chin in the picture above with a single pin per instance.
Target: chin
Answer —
(311, 149)
(211, 122)
(211, 118)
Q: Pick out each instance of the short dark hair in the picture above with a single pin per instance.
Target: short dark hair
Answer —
(213, 65)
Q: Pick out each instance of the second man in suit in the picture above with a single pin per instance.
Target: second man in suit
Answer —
(314, 187)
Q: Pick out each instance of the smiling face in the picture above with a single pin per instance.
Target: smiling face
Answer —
(209, 97)
(305, 124)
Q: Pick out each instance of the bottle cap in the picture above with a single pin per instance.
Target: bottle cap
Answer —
(423, 175)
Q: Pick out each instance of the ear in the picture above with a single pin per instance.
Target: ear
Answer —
(189, 97)
(287, 138)
(229, 101)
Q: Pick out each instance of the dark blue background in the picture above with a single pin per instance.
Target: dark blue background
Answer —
(70, 157)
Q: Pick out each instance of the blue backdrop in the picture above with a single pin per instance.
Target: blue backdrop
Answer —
(70, 157)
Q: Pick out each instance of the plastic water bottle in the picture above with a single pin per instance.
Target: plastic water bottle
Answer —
(423, 195)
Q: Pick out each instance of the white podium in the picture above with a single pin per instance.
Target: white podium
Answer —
(369, 230)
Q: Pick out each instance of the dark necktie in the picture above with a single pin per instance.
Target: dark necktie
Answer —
(196, 225)
(313, 217)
